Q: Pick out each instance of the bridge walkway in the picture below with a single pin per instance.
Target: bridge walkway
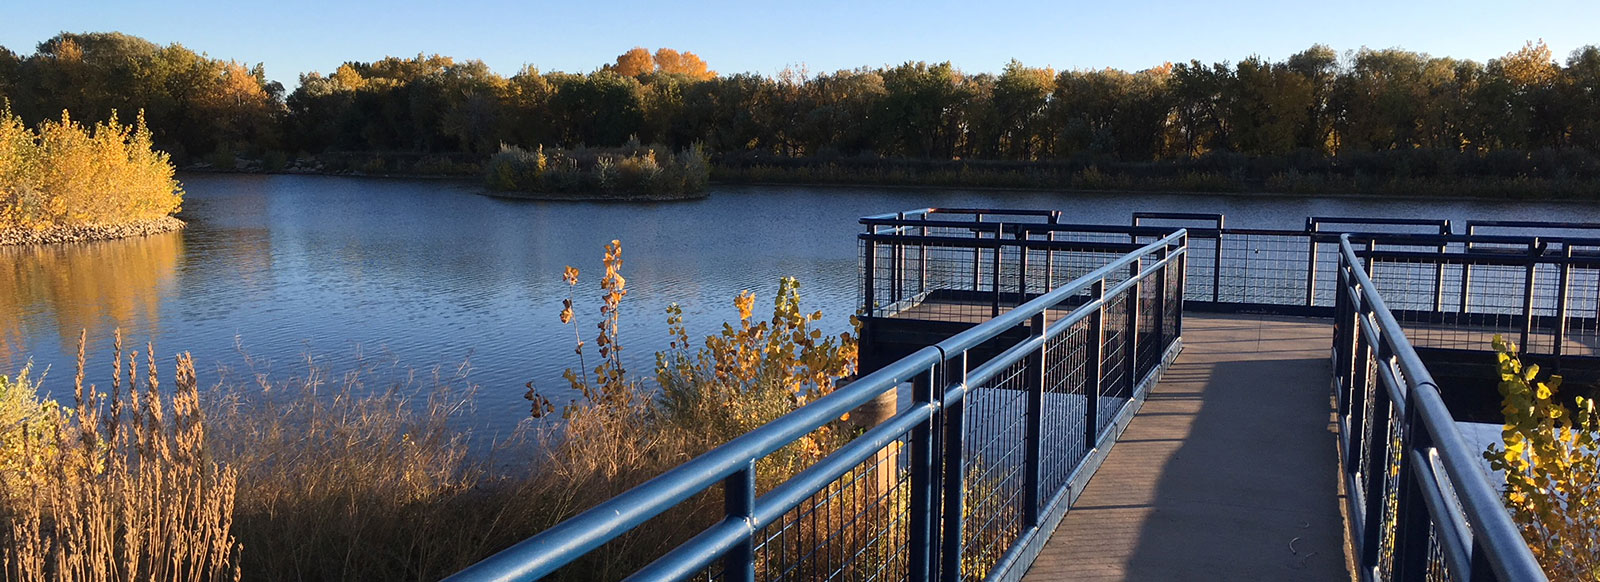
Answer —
(1228, 472)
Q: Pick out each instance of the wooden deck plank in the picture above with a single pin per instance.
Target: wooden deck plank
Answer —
(1228, 472)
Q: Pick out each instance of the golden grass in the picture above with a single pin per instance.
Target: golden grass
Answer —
(367, 475)
(121, 487)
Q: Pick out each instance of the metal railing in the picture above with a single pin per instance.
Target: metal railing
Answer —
(991, 259)
(1450, 291)
(966, 483)
(1421, 506)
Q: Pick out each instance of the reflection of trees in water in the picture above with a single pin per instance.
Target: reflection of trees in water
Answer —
(91, 286)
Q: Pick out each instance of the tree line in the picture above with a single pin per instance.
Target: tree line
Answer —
(1317, 105)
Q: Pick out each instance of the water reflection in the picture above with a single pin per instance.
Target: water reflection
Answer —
(432, 273)
(62, 289)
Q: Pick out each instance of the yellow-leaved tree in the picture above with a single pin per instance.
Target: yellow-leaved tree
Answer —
(64, 173)
(1551, 459)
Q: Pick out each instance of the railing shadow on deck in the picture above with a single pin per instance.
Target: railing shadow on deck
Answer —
(1247, 492)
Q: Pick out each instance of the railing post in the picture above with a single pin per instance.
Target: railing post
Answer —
(954, 481)
(1311, 263)
(977, 255)
(1093, 375)
(1479, 566)
(1534, 249)
(1466, 268)
(1372, 263)
(1216, 269)
(1160, 303)
(1130, 343)
(739, 503)
(922, 267)
(1050, 254)
(921, 540)
(1022, 266)
(1438, 270)
(1033, 378)
(1183, 285)
(1343, 324)
(1561, 299)
(897, 261)
(869, 263)
(999, 246)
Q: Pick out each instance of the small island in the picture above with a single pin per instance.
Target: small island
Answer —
(66, 182)
(632, 172)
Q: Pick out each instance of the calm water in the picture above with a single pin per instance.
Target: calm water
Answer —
(429, 273)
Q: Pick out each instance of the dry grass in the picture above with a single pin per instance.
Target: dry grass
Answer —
(119, 488)
(355, 476)
(366, 475)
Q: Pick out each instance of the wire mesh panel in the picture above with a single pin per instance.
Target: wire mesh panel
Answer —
(1394, 449)
(1065, 406)
(1438, 569)
(1264, 268)
(1116, 385)
(993, 453)
(856, 528)
(1203, 284)
(1583, 309)
(1459, 299)
(1148, 343)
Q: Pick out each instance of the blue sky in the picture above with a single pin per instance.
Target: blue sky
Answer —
(298, 36)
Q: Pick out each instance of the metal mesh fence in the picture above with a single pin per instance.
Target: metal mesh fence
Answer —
(966, 279)
(1438, 570)
(1115, 382)
(993, 453)
(1460, 299)
(856, 528)
(1065, 407)
(1412, 522)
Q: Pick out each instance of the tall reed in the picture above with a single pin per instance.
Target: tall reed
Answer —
(368, 474)
(119, 487)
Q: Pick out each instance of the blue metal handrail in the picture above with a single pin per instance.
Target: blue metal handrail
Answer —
(941, 383)
(1369, 346)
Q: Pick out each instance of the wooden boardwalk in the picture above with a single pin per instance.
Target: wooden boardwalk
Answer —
(1228, 472)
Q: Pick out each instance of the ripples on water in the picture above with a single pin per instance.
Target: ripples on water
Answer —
(431, 274)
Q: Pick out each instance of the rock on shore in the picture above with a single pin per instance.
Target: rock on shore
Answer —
(88, 232)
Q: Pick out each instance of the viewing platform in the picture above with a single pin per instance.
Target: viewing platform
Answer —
(1172, 399)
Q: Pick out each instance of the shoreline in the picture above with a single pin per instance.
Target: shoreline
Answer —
(78, 233)
(579, 197)
(1230, 193)
(1468, 190)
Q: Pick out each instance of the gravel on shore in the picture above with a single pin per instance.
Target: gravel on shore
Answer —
(88, 232)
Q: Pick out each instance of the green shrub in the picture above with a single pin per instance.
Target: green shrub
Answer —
(628, 170)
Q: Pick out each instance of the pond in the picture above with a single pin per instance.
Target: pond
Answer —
(417, 274)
